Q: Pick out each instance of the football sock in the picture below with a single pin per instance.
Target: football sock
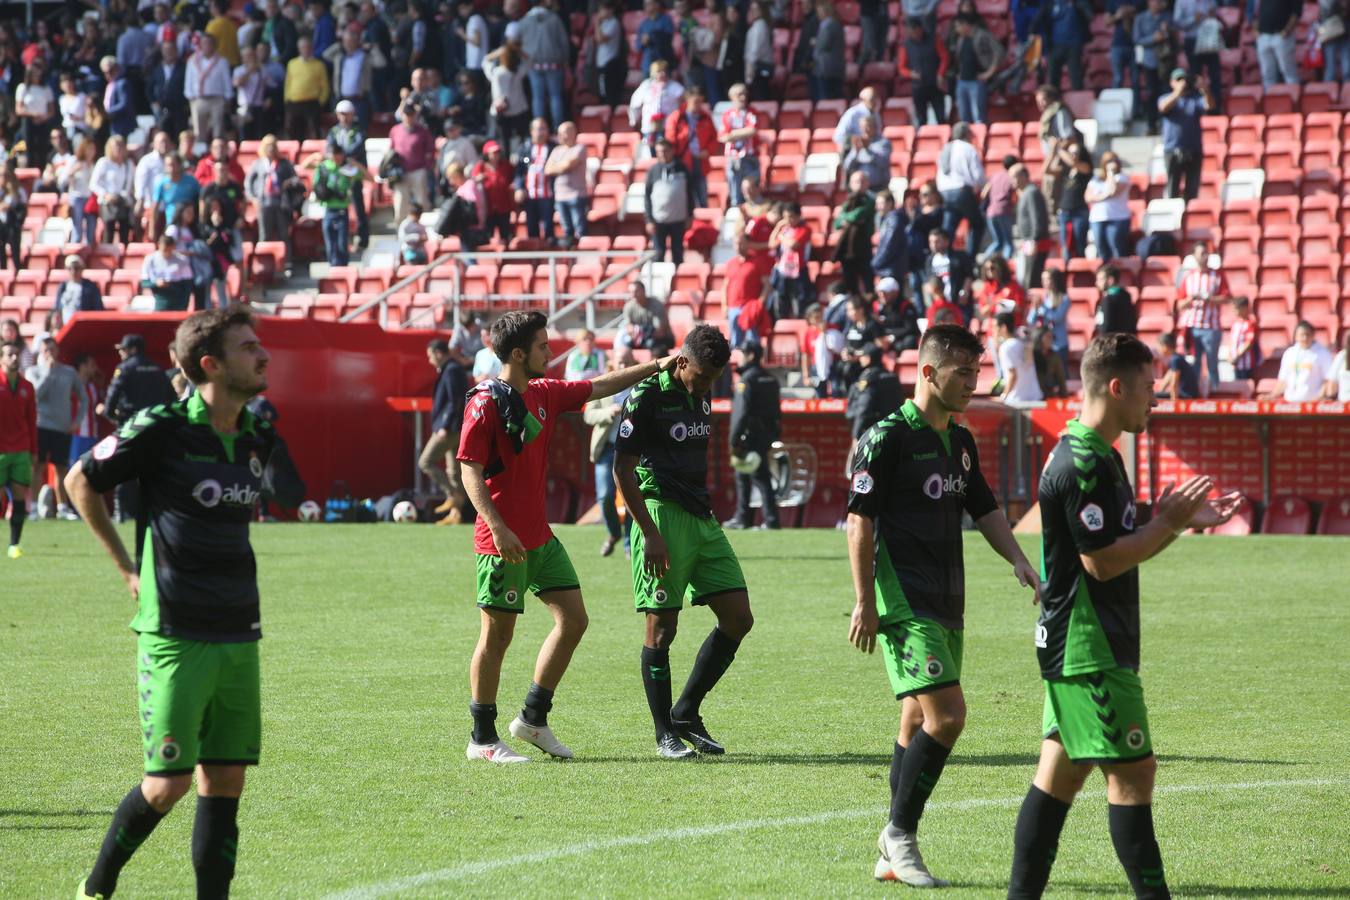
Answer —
(1035, 842)
(656, 682)
(1137, 849)
(538, 701)
(714, 657)
(131, 825)
(919, 774)
(17, 513)
(484, 722)
(897, 761)
(215, 841)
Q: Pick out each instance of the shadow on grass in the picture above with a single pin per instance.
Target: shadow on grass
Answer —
(879, 759)
(52, 813)
(1194, 890)
(90, 827)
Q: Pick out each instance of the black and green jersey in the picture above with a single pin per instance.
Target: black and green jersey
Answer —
(915, 483)
(1086, 625)
(668, 429)
(199, 489)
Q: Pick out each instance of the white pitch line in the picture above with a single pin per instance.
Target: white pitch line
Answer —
(585, 848)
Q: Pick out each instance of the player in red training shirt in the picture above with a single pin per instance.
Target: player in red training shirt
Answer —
(503, 452)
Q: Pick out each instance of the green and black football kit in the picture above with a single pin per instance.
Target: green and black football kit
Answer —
(915, 483)
(668, 429)
(1087, 637)
(197, 616)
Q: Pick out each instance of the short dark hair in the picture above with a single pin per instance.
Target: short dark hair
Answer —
(939, 231)
(80, 359)
(1168, 340)
(707, 346)
(1111, 356)
(1006, 320)
(18, 347)
(942, 342)
(1009, 161)
(1111, 271)
(1304, 323)
(203, 334)
(1241, 303)
(515, 331)
(439, 345)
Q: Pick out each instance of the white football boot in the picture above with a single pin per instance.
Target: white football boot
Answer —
(496, 752)
(539, 735)
(901, 861)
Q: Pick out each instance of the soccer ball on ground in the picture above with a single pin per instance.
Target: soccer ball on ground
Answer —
(310, 511)
(404, 511)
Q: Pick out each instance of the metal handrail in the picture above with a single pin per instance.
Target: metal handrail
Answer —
(382, 298)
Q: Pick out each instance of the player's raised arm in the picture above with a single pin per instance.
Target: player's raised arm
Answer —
(611, 383)
(89, 504)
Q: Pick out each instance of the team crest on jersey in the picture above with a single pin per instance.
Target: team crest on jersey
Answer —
(862, 483)
(1092, 517)
(1127, 518)
(106, 448)
(707, 407)
(933, 668)
(965, 460)
(1134, 738)
(542, 414)
(169, 751)
(255, 465)
(625, 428)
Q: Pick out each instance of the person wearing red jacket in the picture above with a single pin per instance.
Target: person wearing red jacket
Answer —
(691, 132)
(205, 173)
(18, 439)
(495, 173)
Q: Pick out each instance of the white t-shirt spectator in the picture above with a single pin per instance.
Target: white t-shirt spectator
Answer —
(1304, 371)
(1014, 355)
(37, 98)
(73, 108)
(1113, 208)
(612, 44)
(963, 167)
(477, 29)
(486, 365)
(1340, 373)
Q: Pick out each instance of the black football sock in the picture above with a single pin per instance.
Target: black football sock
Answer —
(484, 722)
(897, 761)
(1137, 849)
(919, 774)
(538, 701)
(131, 825)
(215, 842)
(18, 511)
(1035, 843)
(714, 657)
(656, 682)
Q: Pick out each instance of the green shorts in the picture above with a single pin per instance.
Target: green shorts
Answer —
(921, 656)
(200, 702)
(702, 564)
(16, 468)
(1099, 717)
(502, 585)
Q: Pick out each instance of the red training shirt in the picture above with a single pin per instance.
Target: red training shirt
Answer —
(18, 416)
(745, 278)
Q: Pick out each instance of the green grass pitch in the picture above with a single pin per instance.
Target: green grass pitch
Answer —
(364, 790)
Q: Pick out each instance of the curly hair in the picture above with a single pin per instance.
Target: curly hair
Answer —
(707, 346)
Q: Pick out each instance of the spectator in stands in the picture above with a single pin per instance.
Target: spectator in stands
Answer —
(74, 108)
(999, 292)
(1304, 368)
(605, 416)
(755, 323)
(35, 106)
(350, 136)
(250, 93)
(760, 60)
(644, 325)
(75, 295)
(746, 279)
(1056, 127)
(890, 259)
(1183, 139)
(867, 106)
(185, 231)
(816, 357)
(475, 232)
(546, 44)
(148, 171)
(585, 360)
(997, 196)
(268, 184)
(1180, 379)
(353, 75)
(1335, 50)
(173, 190)
(280, 34)
(861, 331)
(411, 140)
(1066, 26)
(872, 16)
(611, 54)
(1031, 229)
(668, 202)
(1202, 37)
(954, 268)
(208, 87)
(1338, 379)
(1051, 370)
(898, 317)
(118, 100)
(60, 400)
(226, 193)
(274, 90)
(305, 92)
(167, 90)
(510, 111)
(323, 25)
(855, 220)
(13, 211)
(1155, 48)
(1052, 313)
(412, 238)
(925, 213)
(225, 248)
(923, 60)
(486, 365)
(567, 167)
(827, 55)
(1201, 287)
(869, 153)
(960, 178)
(58, 159)
(167, 274)
(495, 174)
(692, 134)
(1123, 64)
(791, 276)
(224, 32)
(533, 184)
(1073, 165)
(1276, 22)
(457, 148)
(1115, 307)
(655, 98)
(1017, 363)
(874, 395)
(335, 179)
(655, 38)
(1244, 344)
(976, 58)
(468, 105)
(75, 182)
(739, 136)
(1108, 199)
(112, 185)
(219, 153)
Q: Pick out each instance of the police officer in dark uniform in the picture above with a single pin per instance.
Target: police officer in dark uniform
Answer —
(136, 384)
(755, 420)
(874, 396)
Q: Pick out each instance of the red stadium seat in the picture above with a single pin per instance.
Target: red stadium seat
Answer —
(1320, 270)
(1240, 272)
(1335, 518)
(1322, 126)
(1245, 129)
(1280, 99)
(1288, 127)
(1160, 270)
(1317, 303)
(1238, 213)
(1322, 211)
(1242, 240)
(1279, 239)
(1318, 99)
(1287, 515)
(1246, 155)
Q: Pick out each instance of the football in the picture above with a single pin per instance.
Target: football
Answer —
(310, 511)
(404, 511)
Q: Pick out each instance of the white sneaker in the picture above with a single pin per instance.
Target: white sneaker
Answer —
(901, 860)
(494, 753)
(46, 502)
(539, 735)
(64, 511)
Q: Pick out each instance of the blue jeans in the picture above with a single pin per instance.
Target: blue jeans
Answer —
(82, 224)
(825, 88)
(1111, 239)
(1075, 221)
(546, 95)
(700, 182)
(335, 235)
(1001, 228)
(737, 171)
(1336, 56)
(573, 216)
(961, 204)
(972, 101)
(1205, 343)
(604, 493)
(733, 319)
(539, 218)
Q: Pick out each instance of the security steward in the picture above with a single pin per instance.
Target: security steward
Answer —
(136, 384)
(874, 396)
(756, 419)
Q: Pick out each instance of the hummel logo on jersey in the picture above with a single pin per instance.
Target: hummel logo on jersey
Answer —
(919, 456)
(936, 486)
(680, 431)
(210, 494)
